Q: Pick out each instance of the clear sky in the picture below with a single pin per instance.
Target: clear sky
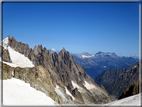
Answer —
(79, 27)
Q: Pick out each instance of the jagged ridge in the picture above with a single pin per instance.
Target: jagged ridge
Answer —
(63, 71)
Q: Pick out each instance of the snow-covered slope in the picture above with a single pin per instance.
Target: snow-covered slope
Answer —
(16, 58)
(17, 92)
(19, 59)
(134, 100)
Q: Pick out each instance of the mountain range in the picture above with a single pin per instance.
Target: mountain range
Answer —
(95, 64)
(56, 75)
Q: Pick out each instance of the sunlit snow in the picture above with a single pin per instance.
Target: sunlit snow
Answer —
(88, 85)
(5, 43)
(10, 64)
(69, 93)
(84, 56)
(19, 59)
(128, 101)
(60, 94)
(17, 92)
(77, 86)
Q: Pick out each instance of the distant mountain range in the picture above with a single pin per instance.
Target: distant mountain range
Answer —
(95, 64)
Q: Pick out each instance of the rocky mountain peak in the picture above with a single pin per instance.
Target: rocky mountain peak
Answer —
(64, 72)
(8, 36)
(63, 50)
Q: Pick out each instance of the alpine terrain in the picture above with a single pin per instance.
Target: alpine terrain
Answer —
(56, 76)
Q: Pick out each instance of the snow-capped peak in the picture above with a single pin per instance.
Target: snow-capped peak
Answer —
(54, 50)
(5, 43)
(85, 56)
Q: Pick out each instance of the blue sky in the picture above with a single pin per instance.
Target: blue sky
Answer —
(79, 27)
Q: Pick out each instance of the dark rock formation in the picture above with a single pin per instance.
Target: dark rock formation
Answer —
(77, 95)
(6, 56)
(38, 78)
(131, 90)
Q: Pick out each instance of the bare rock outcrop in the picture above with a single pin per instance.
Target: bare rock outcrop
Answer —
(38, 78)
(131, 90)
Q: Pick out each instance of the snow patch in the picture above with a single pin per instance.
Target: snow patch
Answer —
(5, 43)
(10, 64)
(134, 66)
(19, 59)
(128, 101)
(17, 92)
(12, 73)
(69, 93)
(84, 56)
(57, 86)
(104, 66)
(60, 94)
(77, 86)
(88, 85)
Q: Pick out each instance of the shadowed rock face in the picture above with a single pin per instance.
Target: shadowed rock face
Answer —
(131, 90)
(6, 56)
(38, 78)
(63, 70)
(119, 80)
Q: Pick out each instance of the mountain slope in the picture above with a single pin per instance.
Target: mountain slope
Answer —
(38, 78)
(27, 95)
(119, 80)
(70, 78)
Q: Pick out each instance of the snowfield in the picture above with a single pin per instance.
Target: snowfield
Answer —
(17, 92)
(134, 100)
(19, 59)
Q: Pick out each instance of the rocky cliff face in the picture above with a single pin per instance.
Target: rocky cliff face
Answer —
(131, 90)
(38, 78)
(119, 80)
(65, 73)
